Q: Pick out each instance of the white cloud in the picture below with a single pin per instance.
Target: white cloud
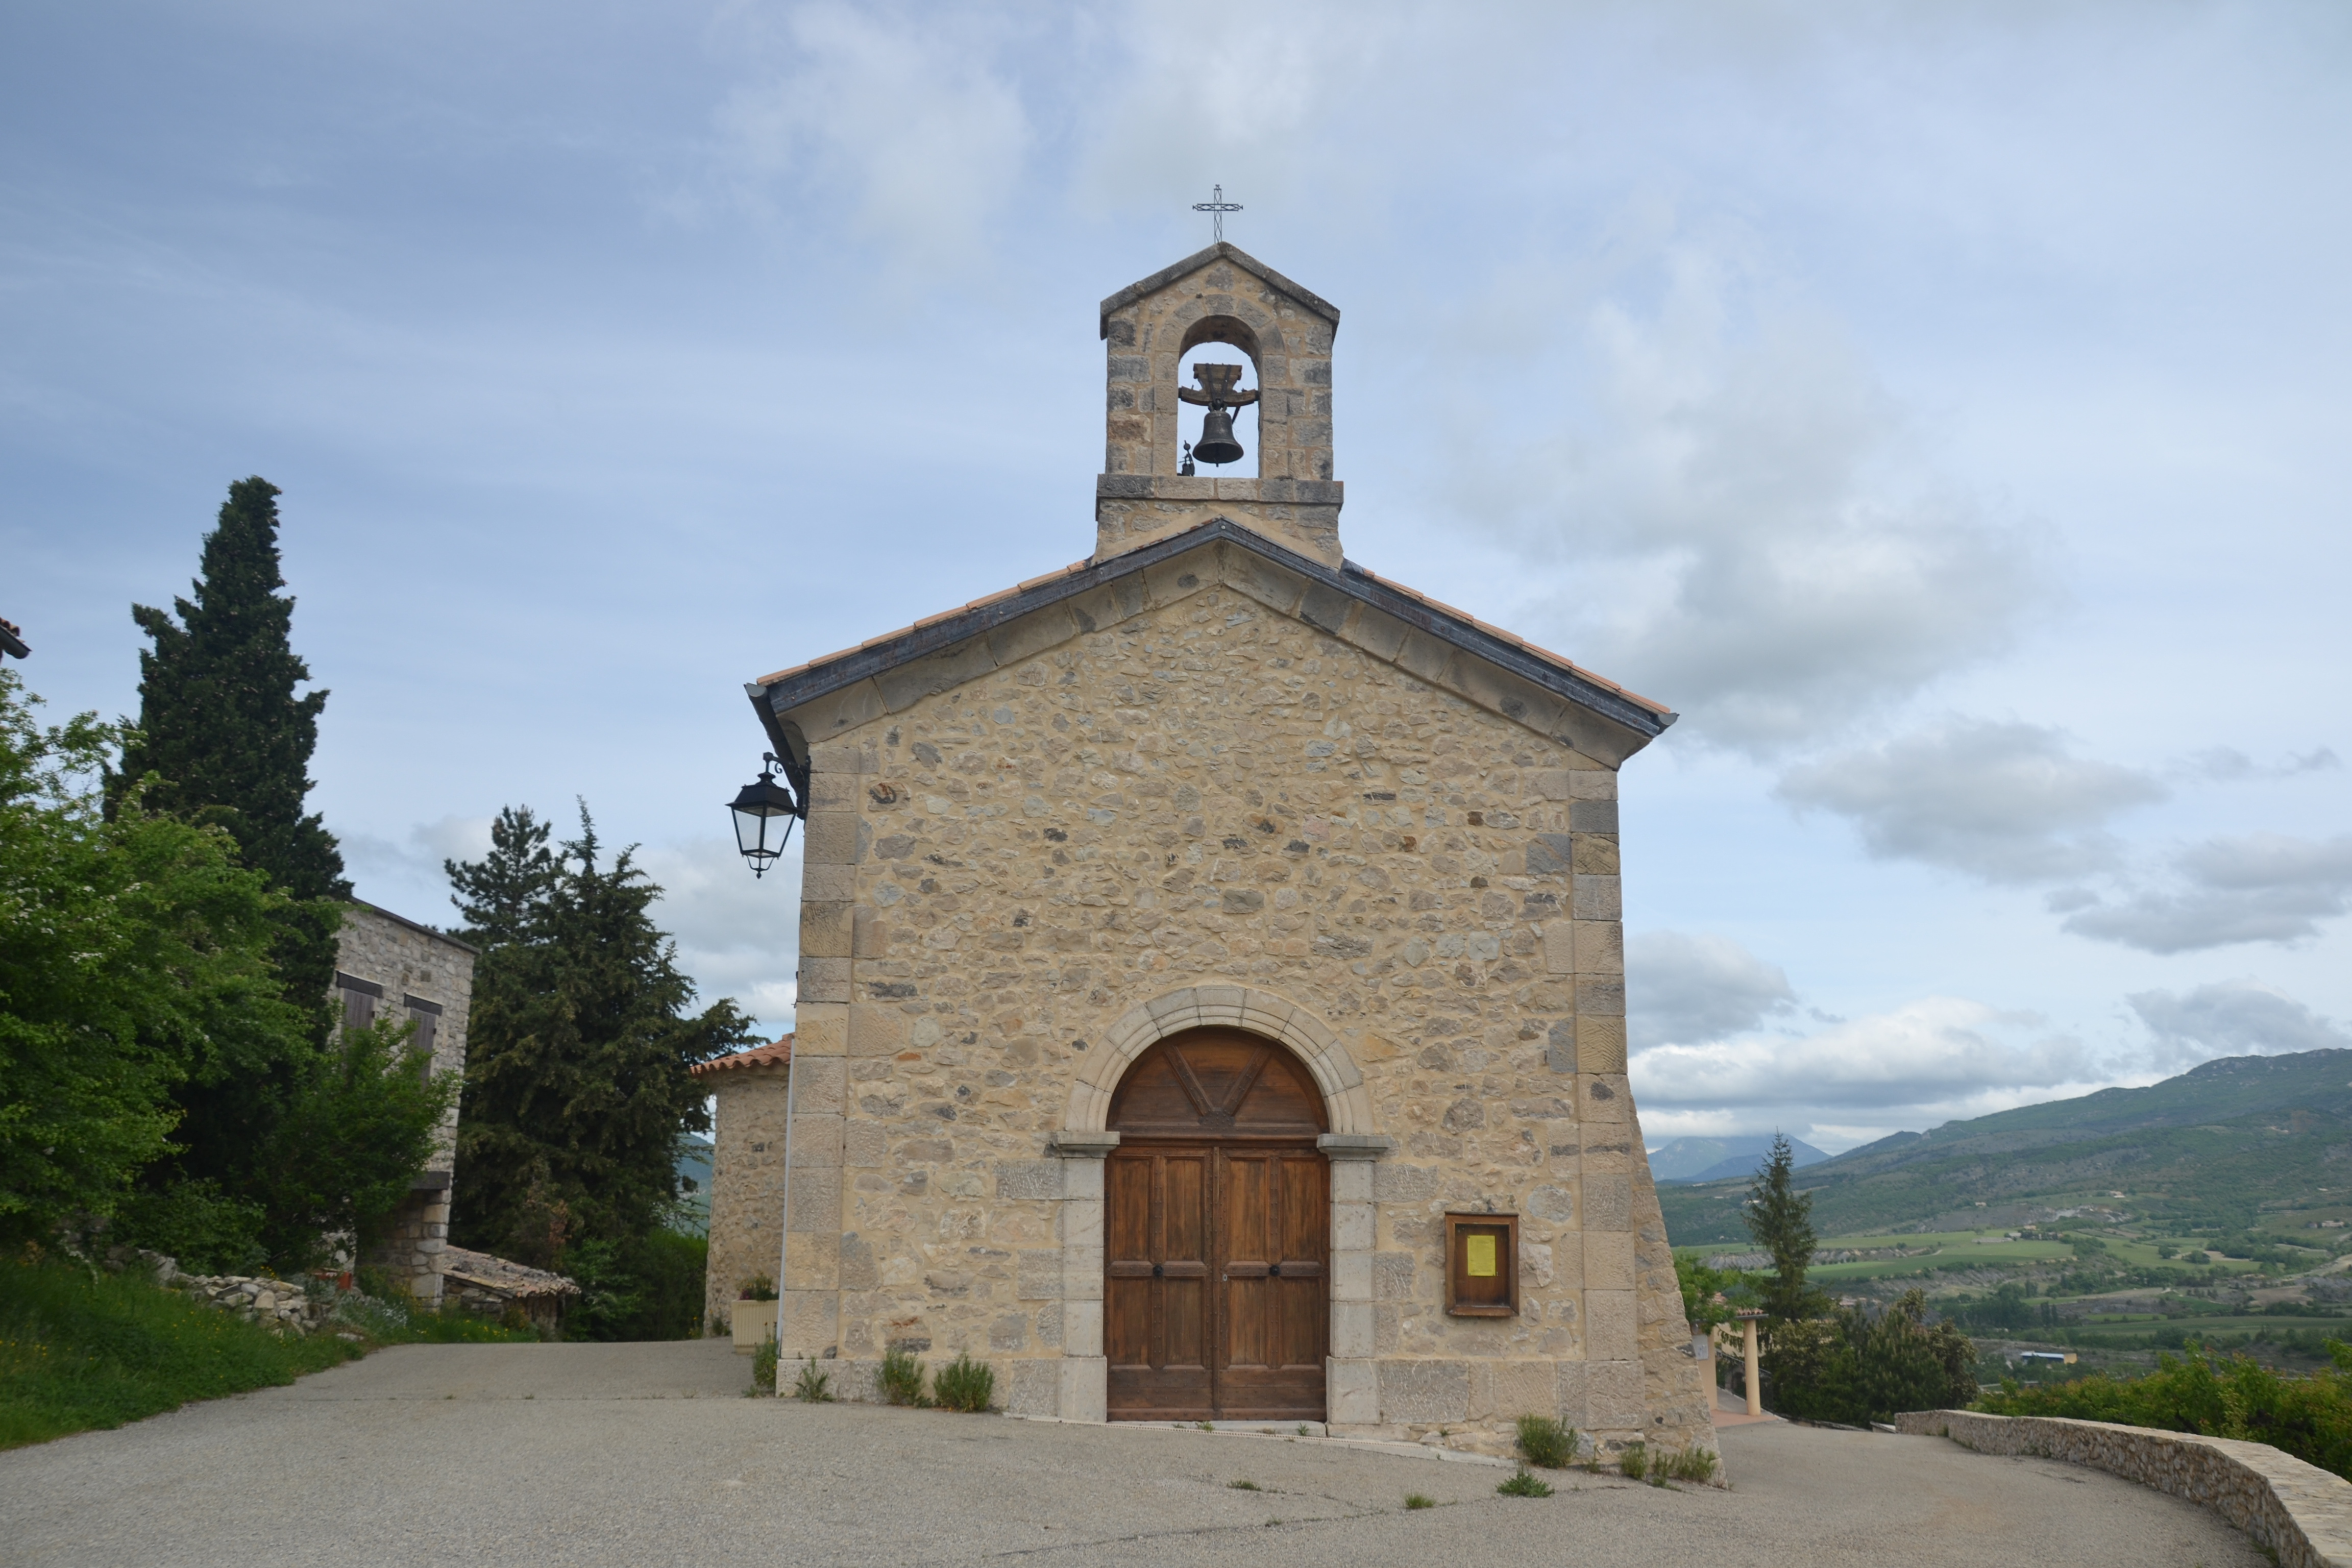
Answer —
(1689, 989)
(903, 110)
(2006, 802)
(1936, 1056)
(2227, 764)
(1778, 561)
(2260, 886)
(737, 934)
(2232, 1018)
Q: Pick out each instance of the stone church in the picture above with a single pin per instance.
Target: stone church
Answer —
(1211, 999)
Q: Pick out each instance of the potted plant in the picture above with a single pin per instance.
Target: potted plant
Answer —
(753, 1315)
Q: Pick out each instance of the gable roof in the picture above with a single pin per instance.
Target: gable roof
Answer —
(1432, 641)
(1221, 251)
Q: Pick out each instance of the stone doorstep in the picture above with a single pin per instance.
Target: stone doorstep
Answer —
(1288, 1432)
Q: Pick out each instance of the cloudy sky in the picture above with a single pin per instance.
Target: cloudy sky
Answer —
(1944, 407)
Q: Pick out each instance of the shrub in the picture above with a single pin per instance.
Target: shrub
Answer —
(646, 1287)
(1634, 1462)
(1419, 1499)
(901, 1380)
(1693, 1464)
(1851, 1369)
(1546, 1442)
(812, 1388)
(1523, 1484)
(763, 1365)
(964, 1385)
(2233, 1396)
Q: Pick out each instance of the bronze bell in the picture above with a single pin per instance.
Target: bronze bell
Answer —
(1216, 444)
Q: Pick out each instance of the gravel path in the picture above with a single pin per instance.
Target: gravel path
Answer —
(638, 1456)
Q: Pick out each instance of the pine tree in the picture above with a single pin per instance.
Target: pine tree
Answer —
(1780, 1219)
(577, 1048)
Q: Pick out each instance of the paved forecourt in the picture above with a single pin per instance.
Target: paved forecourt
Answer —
(639, 1455)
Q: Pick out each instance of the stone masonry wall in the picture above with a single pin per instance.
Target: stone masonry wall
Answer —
(408, 961)
(2300, 1513)
(746, 1182)
(1211, 788)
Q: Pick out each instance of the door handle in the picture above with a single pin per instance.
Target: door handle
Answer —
(1274, 1270)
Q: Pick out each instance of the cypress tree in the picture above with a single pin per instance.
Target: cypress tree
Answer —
(218, 719)
(282, 1138)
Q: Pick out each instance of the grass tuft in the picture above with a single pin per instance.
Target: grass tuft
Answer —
(1419, 1499)
(1694, 1465)
(812, 1388)
(1634, 1462)
(1525, 1483)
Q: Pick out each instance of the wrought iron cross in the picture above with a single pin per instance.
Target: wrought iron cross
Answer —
(1216, 206)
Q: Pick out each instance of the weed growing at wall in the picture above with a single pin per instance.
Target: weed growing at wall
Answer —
(812, 1387)
(964, 1385)
(1546, 1442)
(900, 1380)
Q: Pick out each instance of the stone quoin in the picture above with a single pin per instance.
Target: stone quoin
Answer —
(1185, 935)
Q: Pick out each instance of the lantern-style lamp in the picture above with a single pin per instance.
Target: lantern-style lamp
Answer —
(764, 814)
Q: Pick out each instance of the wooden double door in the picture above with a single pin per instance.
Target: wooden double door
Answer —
(1216, 1296)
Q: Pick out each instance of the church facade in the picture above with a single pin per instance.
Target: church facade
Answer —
(1211, 999)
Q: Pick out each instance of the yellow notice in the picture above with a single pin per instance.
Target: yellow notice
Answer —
(1481, 1260)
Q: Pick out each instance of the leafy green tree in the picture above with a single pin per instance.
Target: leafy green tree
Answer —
(1711, 1296)
(133, 954)
(578, 1049)
(135, 962)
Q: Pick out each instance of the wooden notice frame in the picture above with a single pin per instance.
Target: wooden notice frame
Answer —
(1482, 1264)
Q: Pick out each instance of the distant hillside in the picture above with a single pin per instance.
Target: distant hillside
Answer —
(2211, 1146)
(1712, 1159)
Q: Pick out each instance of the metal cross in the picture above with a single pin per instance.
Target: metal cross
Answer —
(1216, 206)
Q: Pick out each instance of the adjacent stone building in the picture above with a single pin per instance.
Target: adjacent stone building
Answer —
(747, 1172)
(387, 965)
(1211, 999)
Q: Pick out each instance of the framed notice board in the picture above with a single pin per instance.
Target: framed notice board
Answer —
(1482, 1264)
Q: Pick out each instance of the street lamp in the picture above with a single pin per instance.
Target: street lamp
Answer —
(764, 807)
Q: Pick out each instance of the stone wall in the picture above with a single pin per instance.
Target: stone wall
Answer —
(746, 1182)
(1208, 792)
(408, 961)
(2299, 1512)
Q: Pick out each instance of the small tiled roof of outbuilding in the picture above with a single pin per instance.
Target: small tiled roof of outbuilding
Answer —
(804, 681)
(508, 1278)
(776, 1054)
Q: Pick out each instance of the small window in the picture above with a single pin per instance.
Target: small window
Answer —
(427, 1017)
(358, 998)
(1482, 1264)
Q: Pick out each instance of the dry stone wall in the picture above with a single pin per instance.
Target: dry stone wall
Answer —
(1214, 790)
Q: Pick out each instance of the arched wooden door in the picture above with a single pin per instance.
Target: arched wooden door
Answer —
(1216, 1304)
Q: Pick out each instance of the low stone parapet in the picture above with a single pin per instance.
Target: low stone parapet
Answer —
(278, 1304)
(2301, 1512)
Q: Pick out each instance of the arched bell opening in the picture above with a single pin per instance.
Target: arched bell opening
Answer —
(1217, 1230)
(1217, 414)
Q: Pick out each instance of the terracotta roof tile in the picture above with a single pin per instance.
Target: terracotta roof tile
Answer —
(776, 1054)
